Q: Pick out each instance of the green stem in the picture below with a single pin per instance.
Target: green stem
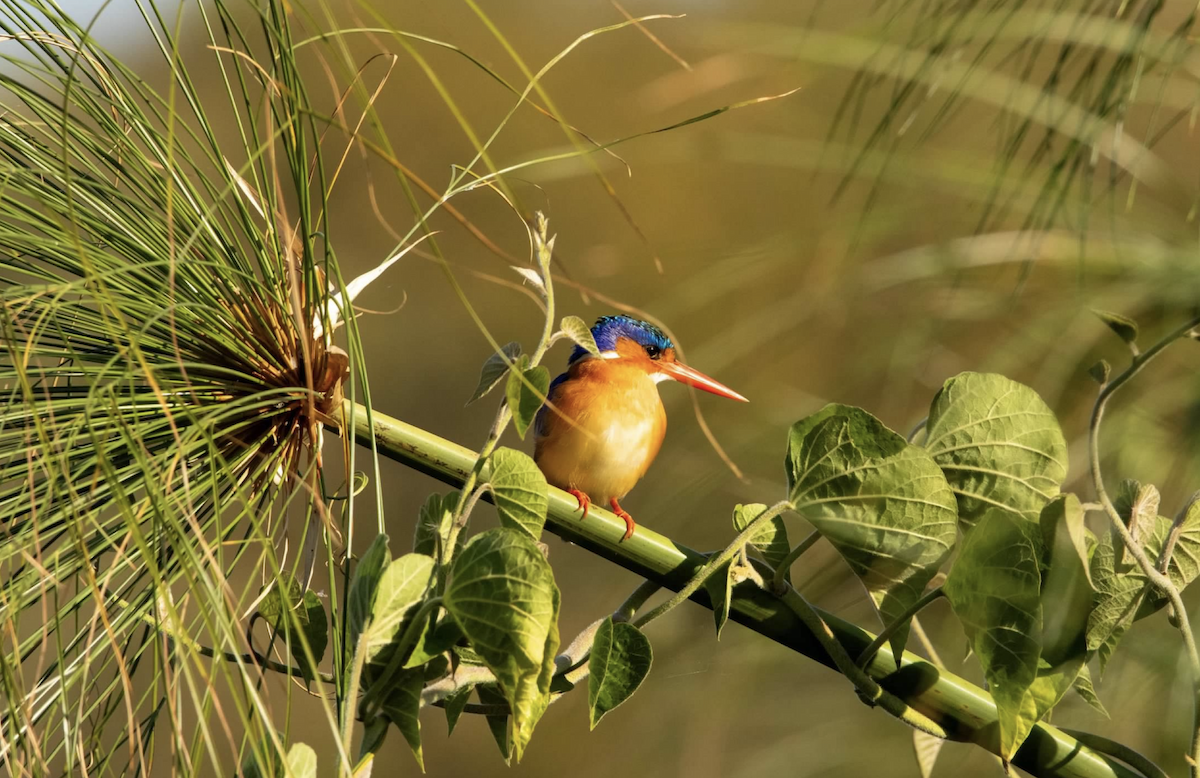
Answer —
(904, 618)
(870, 691)
(1153, 575)
(1120, 751)
(633, 602)
(715, 563)
(965, 711)
(779, 581)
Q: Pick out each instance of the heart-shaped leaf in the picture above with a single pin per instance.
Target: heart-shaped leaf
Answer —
(364, 583)
(883, 504)
(503, 595)
(620, 660)
(494, 369)
(770, 539)
(520, 490)
(455, 704)
(720, 591)
(433, 523)
(402, 704)
(1085, 689)
(301, 761)
(577, 330)
(526, 396)
(497, 724)
(998, 443)
(994, 588)
(402, 586)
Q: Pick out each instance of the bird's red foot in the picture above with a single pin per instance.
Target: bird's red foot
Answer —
(584, 501)
(629, 525)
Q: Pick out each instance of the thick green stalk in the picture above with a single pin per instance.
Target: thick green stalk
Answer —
(965, 711)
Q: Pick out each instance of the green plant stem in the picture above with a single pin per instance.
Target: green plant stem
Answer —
(779, 580)
(349, 702)
(1120, 751)
(965, 711)
(870, 691)
(636, 600)
(715, 563)
(1153, 575)
(904, 618)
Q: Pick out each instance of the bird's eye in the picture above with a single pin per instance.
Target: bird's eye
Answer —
(653, 352)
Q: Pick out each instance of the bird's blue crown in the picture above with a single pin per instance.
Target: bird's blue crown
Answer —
(608, 329)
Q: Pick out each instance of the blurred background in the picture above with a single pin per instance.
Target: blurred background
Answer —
(953, 187)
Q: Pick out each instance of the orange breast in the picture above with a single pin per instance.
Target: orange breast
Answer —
(619, 424)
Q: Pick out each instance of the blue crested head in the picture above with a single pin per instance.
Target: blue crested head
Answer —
(609, 329)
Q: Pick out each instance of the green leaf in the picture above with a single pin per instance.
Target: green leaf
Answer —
(994, 588)
(620, 660)
(926, 747)
(526, 397)
(1122, 596)
(720, 592)
(455, 704)
(883, 504)
(1125, 327)
(503, 595)
(1067, 590)
(286, 608)
(1084, 688)
(1138, 505)
(402, 587)
(521, 492)
(402, 705)
(301, 761)
(494, 369)
(367, 573)
(434, 523)
(498, 725)
(998, 443)
(577, 330)
(436, 639)
(770, 539)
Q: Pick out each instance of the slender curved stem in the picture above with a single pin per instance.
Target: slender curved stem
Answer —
(779, 580)
(633, 602)
(871, 692)
(1153, 575)
(715, 563)
(904, 618)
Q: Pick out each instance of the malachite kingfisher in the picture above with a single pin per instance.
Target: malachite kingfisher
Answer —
(610, 421)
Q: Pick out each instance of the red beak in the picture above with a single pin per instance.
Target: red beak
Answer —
(686, 375)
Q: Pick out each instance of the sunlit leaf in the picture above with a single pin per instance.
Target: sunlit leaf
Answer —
(882, 503)
(436, 639)
(526, 396)
(301, 761)
(402, 704)
(1125, 327)
(1085, 689)
(531, 275)
(926, 747)
(364, 584)
(1138, 505)
(994, 588)
(434, 523)
(620, 660)
(1067, 591)
(503, 595)
(577, 330)
(520, 490)
(494, 369)
(770, 539)
(401, 587)
(998, 443)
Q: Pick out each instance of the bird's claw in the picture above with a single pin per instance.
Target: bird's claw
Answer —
(624, 514)
(584, 502)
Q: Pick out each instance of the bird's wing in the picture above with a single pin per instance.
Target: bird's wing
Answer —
(542, 422)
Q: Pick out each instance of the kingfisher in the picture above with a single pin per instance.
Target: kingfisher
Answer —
(610, 420)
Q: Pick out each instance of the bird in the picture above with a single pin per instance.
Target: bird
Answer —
(604, 423)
